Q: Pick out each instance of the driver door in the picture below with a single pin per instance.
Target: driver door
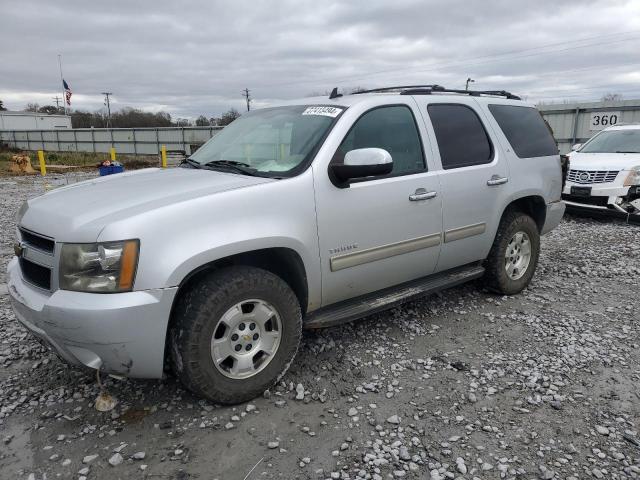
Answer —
(379, 231)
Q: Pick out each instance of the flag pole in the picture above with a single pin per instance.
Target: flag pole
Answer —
(64, 97)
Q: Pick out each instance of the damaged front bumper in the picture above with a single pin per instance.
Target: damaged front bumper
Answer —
(619, 199)
(120, 333)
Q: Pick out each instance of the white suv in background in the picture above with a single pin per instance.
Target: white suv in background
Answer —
(605, 172)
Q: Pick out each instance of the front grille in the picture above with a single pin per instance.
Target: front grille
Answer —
(597, 201)
(592, 176)
(37, 241)
(36, 274)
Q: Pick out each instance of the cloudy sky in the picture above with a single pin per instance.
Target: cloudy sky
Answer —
(189, 57)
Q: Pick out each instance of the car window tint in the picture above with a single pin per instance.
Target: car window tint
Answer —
(391, 128)
(462, 139)
(525, 130)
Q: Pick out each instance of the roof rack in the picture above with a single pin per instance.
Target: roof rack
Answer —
(429, 89)
(391, 89)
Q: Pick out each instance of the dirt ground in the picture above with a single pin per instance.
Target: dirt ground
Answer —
(464, 384)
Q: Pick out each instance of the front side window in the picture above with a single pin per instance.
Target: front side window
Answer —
(462, 139)
(391, 128)
(271, 142)
(525, 129)
(614, 141)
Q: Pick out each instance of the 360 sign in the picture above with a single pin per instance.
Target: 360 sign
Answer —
(600, 120)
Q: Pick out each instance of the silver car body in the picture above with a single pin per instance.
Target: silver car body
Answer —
(350, 241)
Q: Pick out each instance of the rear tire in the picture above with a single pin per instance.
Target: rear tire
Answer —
(235, 334)
(512, 260)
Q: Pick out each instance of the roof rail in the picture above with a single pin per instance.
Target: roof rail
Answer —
(390, 89)
(429, 89)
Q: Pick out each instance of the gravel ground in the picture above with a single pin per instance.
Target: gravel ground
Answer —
(464, 385)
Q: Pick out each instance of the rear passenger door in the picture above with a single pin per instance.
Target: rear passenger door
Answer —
(474, 178)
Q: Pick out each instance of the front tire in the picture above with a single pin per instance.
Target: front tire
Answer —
(513, 258)
(236, 333)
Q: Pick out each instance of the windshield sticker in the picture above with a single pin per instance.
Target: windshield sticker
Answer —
(332, 112)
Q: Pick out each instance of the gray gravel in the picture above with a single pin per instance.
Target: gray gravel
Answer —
(464, 384)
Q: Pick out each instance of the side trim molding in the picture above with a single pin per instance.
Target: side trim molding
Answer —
(464, 232)
(348, 260)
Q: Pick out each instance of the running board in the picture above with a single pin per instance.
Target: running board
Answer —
(349, 310)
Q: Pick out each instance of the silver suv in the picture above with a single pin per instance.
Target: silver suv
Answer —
(302, 215)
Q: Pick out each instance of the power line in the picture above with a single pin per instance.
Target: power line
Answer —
(493, 57)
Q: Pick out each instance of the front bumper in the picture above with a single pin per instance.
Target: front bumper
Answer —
(604, 197)
(120, 333)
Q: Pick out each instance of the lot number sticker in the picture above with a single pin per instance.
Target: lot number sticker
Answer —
(324, 111)
(601, 120)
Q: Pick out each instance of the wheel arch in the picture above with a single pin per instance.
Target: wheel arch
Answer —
(533, 205)
(284, 262)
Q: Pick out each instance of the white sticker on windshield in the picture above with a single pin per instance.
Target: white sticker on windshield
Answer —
(324, 111)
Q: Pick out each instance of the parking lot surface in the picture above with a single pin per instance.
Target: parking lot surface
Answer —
(464, 384)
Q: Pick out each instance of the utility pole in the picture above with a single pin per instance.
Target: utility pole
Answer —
(469, 80)
(57, 99)
(245, 94)
(108, 104)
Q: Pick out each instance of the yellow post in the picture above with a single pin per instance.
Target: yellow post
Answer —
(43, 167)
(163, 154)
(113, 154)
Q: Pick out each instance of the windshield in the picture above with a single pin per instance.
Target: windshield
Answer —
(271, 141)
(614, 141)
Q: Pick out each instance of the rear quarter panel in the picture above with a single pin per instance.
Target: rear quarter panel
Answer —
(537, 176)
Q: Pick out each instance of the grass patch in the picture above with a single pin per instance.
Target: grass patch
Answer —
(85, 160)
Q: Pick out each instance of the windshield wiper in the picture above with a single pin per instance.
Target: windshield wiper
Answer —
(624, 151)
(191, 162)
(232, 165)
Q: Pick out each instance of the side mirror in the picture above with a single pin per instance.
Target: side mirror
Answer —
(576, 147)
(363, 162)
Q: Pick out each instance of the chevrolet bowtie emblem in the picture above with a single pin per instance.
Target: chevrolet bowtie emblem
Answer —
(246, 337)
(18, 249)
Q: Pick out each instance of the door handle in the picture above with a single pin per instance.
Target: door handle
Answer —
(497, 180)
(422, 194)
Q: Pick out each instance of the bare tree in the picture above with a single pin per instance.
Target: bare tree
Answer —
(31, 107)
(50, 110)
(2, 107)
(226, 118)
(611, 97)
(202, 121)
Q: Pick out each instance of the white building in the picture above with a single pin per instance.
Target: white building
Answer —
(33, 121)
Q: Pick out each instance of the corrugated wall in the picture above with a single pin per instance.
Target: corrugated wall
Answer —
(578, 122)
(136, 141)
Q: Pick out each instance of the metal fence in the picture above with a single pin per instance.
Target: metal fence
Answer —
(129, 141)
(571, 123)
(577, 122)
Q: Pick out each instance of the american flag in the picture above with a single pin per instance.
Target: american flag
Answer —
(67, 92)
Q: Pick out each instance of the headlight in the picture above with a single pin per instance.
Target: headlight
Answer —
(108, 267)
(21, 212)
(634, 177)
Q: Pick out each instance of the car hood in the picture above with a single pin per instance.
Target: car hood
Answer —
(79, 212)
(603, 161)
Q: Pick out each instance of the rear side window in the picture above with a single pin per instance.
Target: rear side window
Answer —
(462, 139)
(525, 130)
